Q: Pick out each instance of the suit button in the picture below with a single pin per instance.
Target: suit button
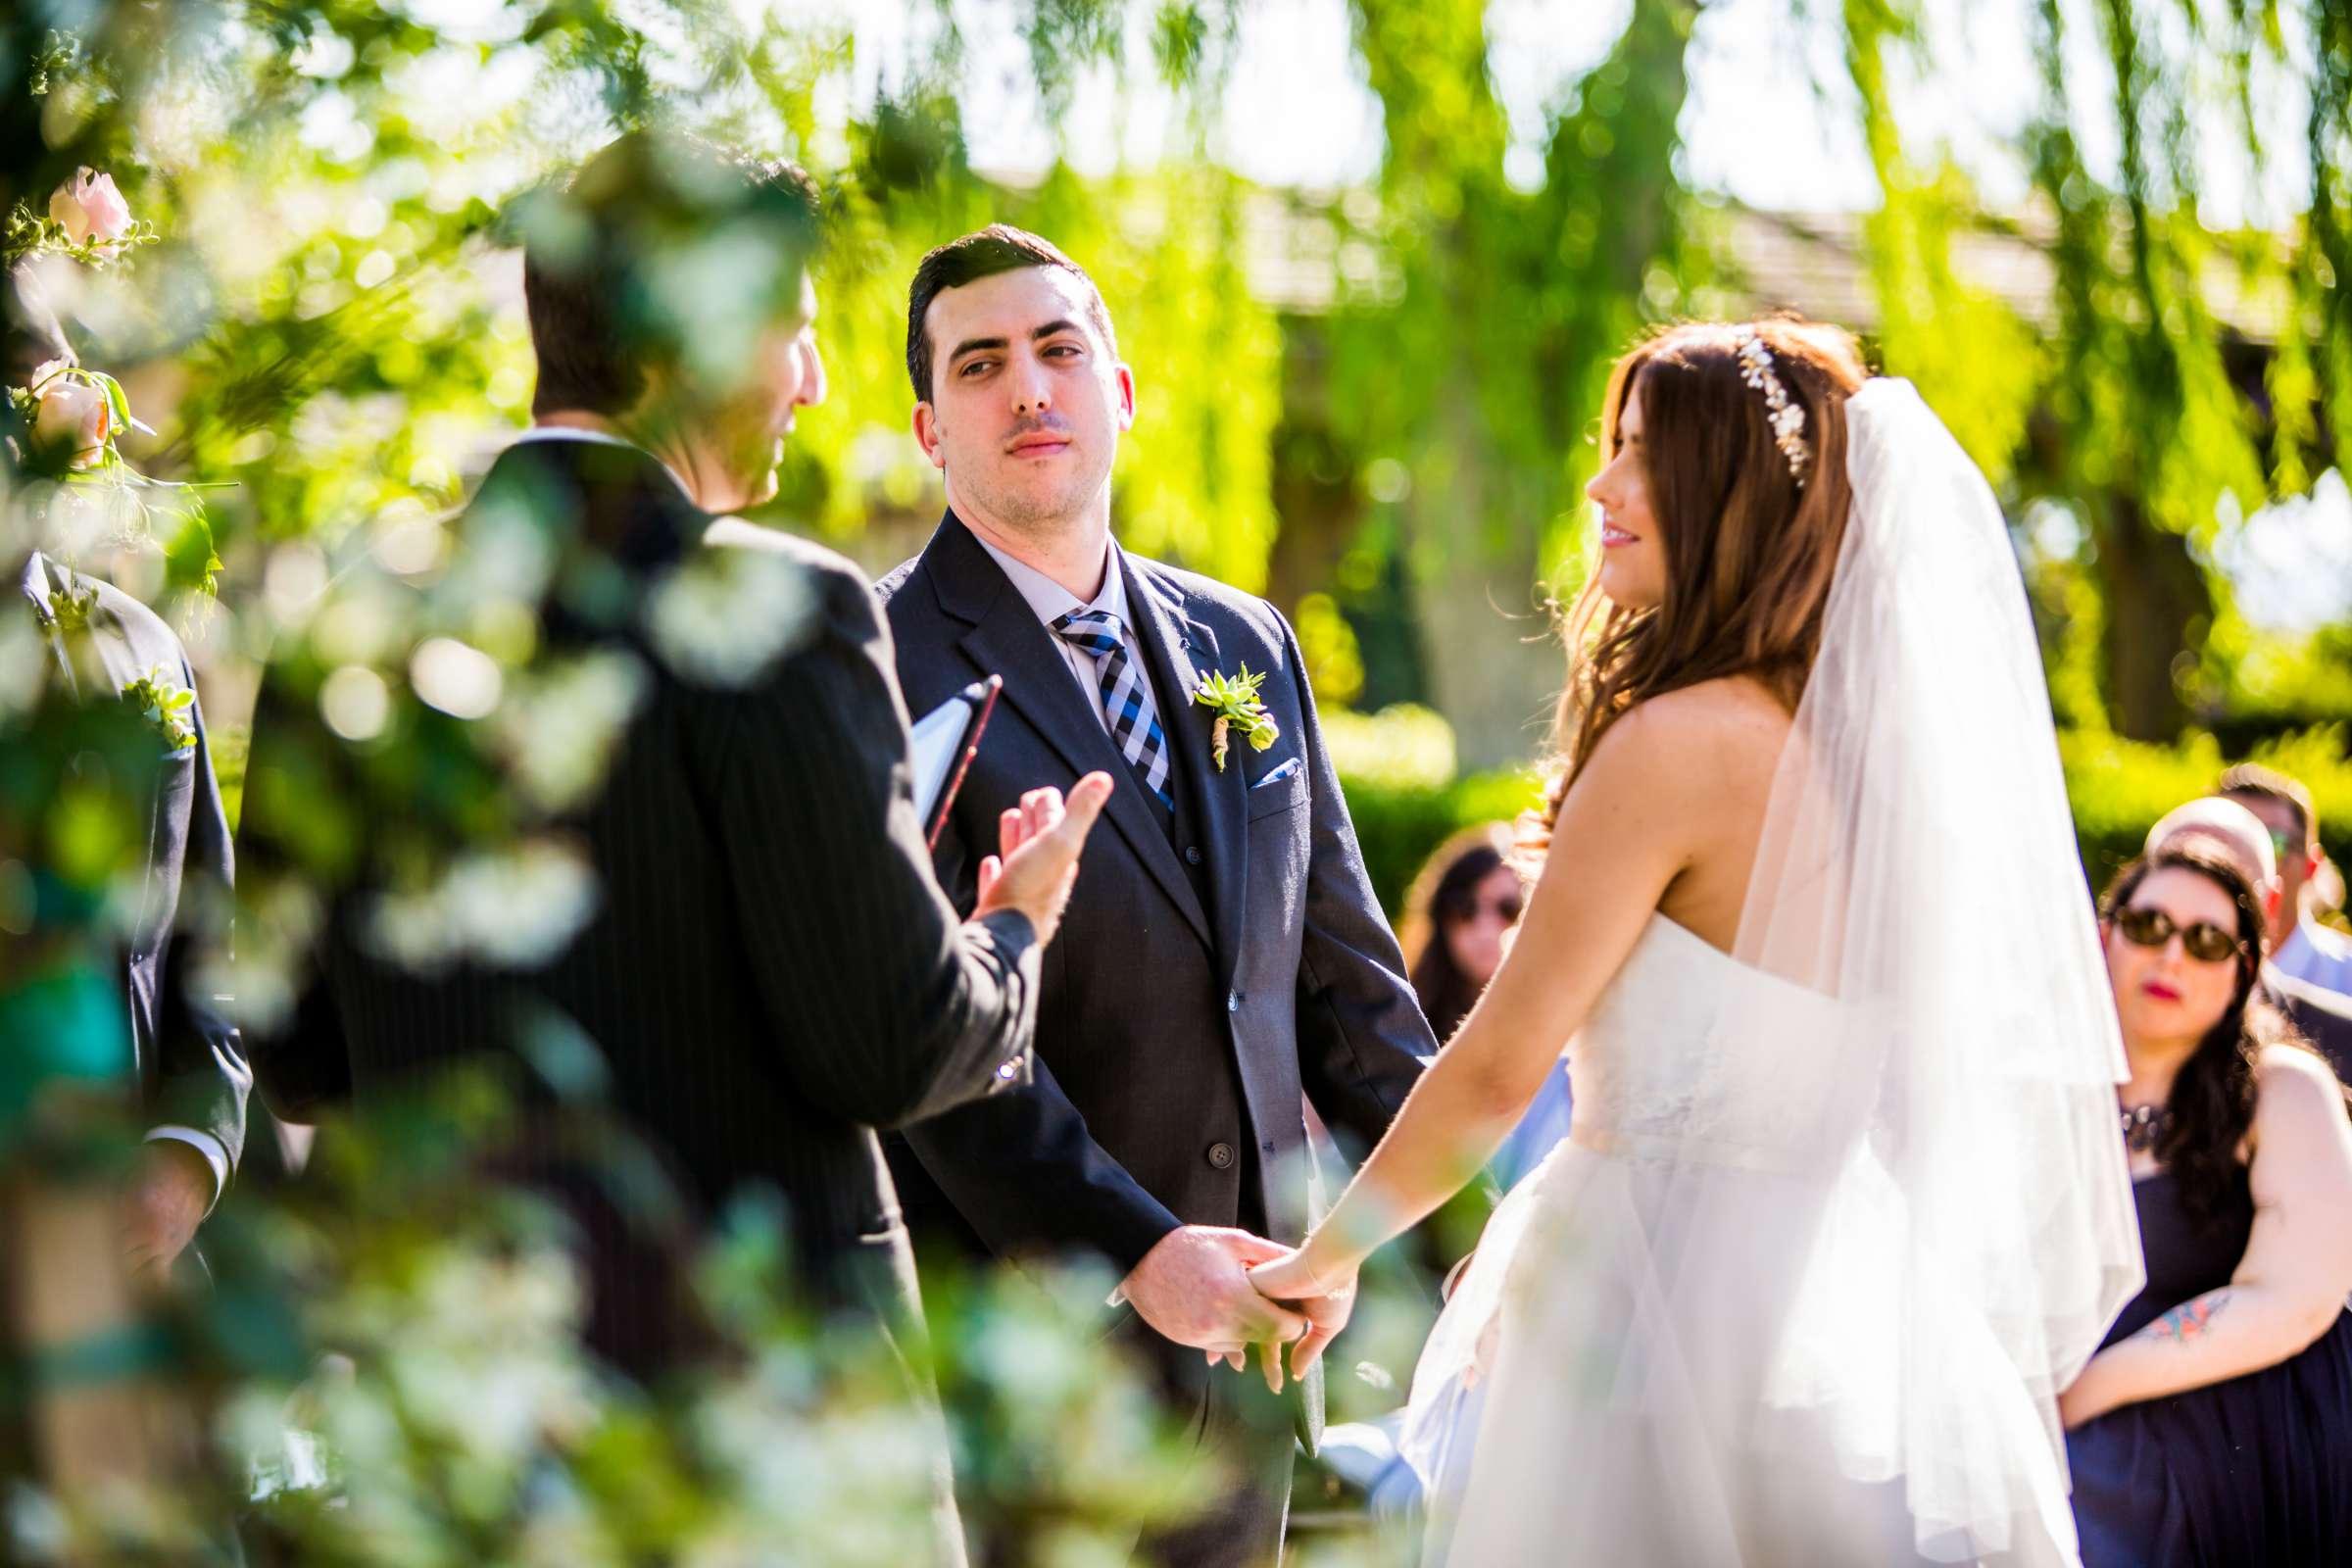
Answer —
(1192, 854)
(1220, 1155)
(1233, 1002)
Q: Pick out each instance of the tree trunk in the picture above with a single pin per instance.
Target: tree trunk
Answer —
(1494, 666)
(2156, 601)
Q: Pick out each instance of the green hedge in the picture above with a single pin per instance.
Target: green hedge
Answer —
(2118, 789)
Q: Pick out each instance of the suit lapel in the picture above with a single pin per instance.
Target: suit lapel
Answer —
(107, 642)
(1180, 648)
(1006, 639)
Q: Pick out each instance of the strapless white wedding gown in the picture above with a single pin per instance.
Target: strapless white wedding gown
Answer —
(1634, 1367)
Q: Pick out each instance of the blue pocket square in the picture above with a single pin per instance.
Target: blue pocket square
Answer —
(1275, 775)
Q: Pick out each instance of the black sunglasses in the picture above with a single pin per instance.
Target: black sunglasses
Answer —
(1469, 906)
(2153, 928)
(1508, 907)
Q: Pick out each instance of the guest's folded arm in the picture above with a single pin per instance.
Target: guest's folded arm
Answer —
(2288, 1289)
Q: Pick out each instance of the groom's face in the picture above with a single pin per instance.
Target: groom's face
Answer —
(1027, 400)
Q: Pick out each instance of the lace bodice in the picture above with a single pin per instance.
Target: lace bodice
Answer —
(1692, 1055)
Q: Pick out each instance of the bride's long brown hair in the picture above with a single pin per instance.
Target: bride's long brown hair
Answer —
(1749, 551)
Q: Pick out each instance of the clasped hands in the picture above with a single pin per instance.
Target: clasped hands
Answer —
(1223, 1290)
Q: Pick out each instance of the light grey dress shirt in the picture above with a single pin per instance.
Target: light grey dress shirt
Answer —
(1050, 601)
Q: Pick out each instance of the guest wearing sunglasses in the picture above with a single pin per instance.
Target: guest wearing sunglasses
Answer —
(1458, 917)
(2215, 1424)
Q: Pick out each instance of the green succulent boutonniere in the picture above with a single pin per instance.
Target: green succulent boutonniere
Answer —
(1233, 699)
(166, 702)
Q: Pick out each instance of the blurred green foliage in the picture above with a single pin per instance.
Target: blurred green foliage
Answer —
(332, 327)
(386, 1371)
(2179, 376)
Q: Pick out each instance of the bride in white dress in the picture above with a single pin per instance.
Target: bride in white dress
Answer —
(1843, 1202)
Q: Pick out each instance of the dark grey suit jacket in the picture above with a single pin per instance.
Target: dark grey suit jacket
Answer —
(1176, 1034)
(191, 1068)
(771, 972)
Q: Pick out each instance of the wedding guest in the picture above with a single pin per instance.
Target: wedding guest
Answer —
(115, 871)
(185, 1060)
(2214, 1426)
(2321, 1017)
(771, 973)
(2300, 945)
(2327, 888)
(1458, 917)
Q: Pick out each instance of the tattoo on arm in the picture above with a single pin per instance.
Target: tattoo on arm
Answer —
(2191, 1319)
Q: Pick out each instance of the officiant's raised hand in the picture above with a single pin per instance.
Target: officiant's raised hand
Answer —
(1036, 862)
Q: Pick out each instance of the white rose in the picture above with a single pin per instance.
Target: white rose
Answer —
(72, 414)
(88, 208)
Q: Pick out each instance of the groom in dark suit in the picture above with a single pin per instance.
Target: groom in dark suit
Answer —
(1224, 953)
(770, 971)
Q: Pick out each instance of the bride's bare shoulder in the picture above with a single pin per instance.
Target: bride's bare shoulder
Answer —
(1717, 733)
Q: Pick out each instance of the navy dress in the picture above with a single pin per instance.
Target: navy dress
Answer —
(2257, 1469)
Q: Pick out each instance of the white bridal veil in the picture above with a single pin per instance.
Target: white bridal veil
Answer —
(1919, 865)
(1889, 1215)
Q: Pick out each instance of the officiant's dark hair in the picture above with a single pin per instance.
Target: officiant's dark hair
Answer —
(608, 260)
(1749, 550)
(985, 253)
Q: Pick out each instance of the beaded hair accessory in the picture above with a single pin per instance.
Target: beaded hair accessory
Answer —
(1787, 417)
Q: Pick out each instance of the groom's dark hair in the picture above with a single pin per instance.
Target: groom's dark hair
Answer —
(617, 266)
(985, 253)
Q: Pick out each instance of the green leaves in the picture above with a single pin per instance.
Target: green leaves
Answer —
(30, 233)
(166, 705)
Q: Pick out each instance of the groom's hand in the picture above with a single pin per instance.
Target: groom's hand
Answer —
(1036, 862)
(1194, 1288)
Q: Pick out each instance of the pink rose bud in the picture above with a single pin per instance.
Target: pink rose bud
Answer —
(88, 208)
(72, 414)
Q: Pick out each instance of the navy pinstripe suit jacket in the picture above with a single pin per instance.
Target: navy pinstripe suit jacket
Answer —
(771, 972)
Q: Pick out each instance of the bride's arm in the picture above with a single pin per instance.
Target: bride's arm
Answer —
(1628, 828)
(2289, 1287)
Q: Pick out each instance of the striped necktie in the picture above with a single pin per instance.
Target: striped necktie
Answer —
(1126, 695)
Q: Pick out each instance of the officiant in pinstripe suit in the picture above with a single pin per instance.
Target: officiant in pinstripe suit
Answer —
(770, 971)
(1224, 952)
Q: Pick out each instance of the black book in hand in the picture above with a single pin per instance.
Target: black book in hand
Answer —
(944, 742)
